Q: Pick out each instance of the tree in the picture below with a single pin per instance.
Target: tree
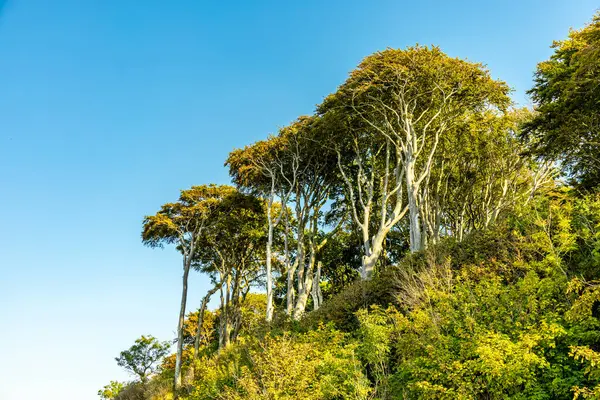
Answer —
(394, 108)
(141, 358)
(182, 223)
(294, 168)
(232, 251)
(111, 391)
(269, 169)
(314, 187)
(478, 173)
(567, 97)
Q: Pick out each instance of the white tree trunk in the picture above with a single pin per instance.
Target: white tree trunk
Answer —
(177, 378)
(269, 316)
(305, 287)
(316, 294)
(412, 191)
(369, 260)
(303, 297)
(290, 269)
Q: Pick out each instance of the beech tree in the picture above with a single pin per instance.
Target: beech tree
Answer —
(183, 223)
(293, 168)
(232, 251)
(566, 93)
(479, 172)
(394, 108)
(313, 188)
(268, 168)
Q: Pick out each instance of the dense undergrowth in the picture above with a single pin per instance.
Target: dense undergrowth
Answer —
(508, 313)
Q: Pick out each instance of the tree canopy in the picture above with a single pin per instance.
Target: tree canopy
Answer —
(142, 357)
(407, 240)
(567, 97)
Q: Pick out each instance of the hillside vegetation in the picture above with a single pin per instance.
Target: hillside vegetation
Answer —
(417, 237)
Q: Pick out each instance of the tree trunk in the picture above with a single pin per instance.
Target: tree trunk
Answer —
(301, 268)
(305, 281)
(304, 290)
(316, 294)
(269, 316)
(235, 309)
(303, 296)
(223, 313)
(369, 261)
(413, 205)
(177, 379)
(205, 301)
(226, 312)
(289, 305)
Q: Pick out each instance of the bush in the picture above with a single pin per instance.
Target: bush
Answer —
(320, 364)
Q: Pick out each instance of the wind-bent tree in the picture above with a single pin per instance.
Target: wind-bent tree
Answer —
(394, 108)
(141, 358)
(566, 126)
(295, 169)
(182, 224)
(267, 168)
(313, 188)
(232, 251)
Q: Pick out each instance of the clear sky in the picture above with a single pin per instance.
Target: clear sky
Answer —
(109, 107)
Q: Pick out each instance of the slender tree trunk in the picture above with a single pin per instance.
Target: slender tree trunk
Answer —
(368, 258)
(222, 314)
(237, 318)
(289, 306)
(235, 308)
(226, 327)
(316, 294)
(299, 264)
(205, 301)
(177, 379)
(413, 205)
(269, 316)
(305, 281)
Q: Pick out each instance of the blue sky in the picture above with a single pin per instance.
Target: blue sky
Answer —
(109, 107)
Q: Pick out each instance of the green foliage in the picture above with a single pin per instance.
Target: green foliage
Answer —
(141, 358)
(567, 95)
(375, 337)
(320, 364)
(484, 339)
(501, 302)
(503, 314)
(182, 221)
(110, 391)
(507, 313)
(427, 76)
(592, 359)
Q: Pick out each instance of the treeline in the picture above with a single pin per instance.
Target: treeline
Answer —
(416, 152)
